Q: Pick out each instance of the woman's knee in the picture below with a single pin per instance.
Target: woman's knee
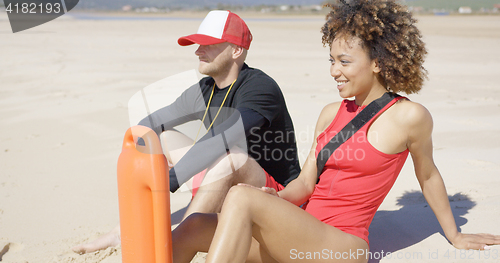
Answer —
(239, 195)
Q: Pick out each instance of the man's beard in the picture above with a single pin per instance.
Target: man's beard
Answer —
(216, 67)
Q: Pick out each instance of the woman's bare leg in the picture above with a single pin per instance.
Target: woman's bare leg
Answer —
(282, 229)
(193, 235)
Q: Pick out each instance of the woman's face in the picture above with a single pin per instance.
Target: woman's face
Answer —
(351, 67)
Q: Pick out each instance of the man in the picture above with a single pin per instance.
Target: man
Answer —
(250, 137)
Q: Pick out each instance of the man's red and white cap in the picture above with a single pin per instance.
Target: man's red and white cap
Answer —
(219, 27)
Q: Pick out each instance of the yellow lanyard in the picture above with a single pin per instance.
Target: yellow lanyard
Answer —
(208, 106)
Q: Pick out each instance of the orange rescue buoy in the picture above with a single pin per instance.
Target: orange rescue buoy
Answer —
(144, 199)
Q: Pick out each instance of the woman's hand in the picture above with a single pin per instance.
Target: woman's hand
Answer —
(475, 241)
(270, 190)
(265, 189)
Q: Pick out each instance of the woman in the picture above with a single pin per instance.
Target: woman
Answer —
(374, 48)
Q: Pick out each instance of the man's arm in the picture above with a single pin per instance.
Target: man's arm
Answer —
(186, 107)
(215, 144)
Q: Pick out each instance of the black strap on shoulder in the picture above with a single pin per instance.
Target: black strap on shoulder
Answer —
(351, 128)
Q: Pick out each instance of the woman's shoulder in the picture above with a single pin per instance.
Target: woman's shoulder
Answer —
(330, 110)
(327, 115)
(411, 114)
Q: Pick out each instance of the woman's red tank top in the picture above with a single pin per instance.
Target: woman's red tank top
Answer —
(356, 178)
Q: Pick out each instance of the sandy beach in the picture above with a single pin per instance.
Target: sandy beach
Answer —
(64, 93)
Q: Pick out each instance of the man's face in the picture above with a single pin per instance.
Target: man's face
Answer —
(214, 59)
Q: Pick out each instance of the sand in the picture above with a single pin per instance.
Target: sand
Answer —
(65, 87)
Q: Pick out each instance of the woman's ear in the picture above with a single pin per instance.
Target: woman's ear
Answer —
(375, 66)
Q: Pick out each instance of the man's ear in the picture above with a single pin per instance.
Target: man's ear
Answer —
(237, 51)
(375, 66)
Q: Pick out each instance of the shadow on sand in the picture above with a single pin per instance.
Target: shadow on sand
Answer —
(391, 231)
(176, 217)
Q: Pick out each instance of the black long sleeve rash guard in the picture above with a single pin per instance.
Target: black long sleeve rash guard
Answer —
(216, 143)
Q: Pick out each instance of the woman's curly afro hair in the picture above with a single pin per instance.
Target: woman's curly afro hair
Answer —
(387, 31)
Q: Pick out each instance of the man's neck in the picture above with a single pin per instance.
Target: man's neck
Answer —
(228, 77)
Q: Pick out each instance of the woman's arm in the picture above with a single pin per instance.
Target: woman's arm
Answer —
(299, 190)
(419, 126)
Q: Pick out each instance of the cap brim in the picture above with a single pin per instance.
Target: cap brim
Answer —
(199, 39)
